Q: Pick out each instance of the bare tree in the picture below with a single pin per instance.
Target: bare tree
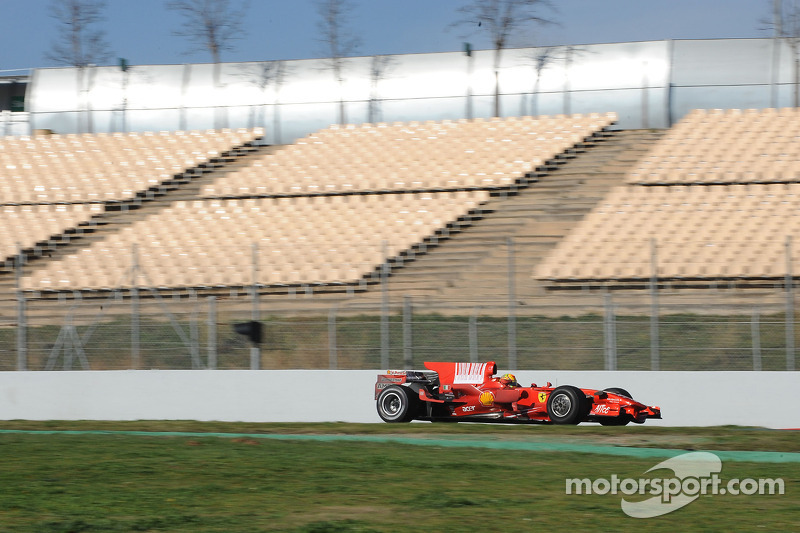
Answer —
(79, 43)
(540, 59)
(503, 19)
(786, 26)
(212, 26)
(263, 75)
(378, 69)
(339, 42)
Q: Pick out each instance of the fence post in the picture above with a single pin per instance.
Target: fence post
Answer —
(194, 331)
(512, 308)
(789, 286)
(212, 332)
(473, 336)
(755, 333)
(408, 336)
(255, 349)
(655, 357)
(22, 325)
(333, 359)
(610, 333)
(385, 305)
(136, 360)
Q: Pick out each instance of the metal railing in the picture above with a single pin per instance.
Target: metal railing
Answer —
(197, 332)
(659, 328)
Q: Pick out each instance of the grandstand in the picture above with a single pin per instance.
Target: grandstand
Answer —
(447, 155)
(55, 188)
(327, 211)
(715, 200)
(86, 168)
(305, 241)
(711, 200)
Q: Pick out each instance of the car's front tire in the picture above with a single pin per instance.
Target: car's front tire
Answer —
(397, 404)
(567, 405)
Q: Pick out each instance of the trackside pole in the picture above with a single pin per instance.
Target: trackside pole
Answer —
(255, 350)
(473, 336)
(385, 306)
(610, 333)
(755, 332)
(135, 349)
(22, 326)
(194, 330)
(333, 355)
(789, 282)
(512, 308)
(655, 362)
(212, 333)
(408, 337)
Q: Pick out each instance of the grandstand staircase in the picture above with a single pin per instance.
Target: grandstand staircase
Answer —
(471, 267)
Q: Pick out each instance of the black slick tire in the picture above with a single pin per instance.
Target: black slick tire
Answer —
(397, 404)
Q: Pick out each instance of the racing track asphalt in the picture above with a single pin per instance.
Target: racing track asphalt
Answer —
(628, 451)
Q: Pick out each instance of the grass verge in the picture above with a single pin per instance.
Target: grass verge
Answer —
(73, 483)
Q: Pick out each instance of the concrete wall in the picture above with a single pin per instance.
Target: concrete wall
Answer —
(687, 398)
(648, 84)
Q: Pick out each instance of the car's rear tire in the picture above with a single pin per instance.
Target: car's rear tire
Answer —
(622, 419)
(397, 404)
(567, 405)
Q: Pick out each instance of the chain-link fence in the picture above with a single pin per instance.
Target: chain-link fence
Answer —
(192, 331)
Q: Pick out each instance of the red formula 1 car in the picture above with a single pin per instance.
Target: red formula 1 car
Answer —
(470, 392)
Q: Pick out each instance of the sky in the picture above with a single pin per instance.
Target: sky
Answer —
(142, 31)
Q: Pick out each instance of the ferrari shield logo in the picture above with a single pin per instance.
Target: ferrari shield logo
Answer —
(542, 397)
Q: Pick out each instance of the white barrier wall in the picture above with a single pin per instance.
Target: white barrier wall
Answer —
(765, 399)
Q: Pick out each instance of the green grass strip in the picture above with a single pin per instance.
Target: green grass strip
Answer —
(546, 446)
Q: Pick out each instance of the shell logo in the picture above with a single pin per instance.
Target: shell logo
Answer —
(486, 398)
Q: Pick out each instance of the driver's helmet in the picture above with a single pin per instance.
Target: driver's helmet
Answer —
(509, 380)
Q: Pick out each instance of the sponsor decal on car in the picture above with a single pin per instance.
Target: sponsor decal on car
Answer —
(470, 372)
(389, 379)
(542, 397)
(486, 398)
